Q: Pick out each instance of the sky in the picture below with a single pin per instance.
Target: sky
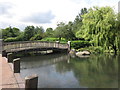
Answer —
(45, 13)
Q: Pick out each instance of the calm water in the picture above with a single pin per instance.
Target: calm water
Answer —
(63, 71)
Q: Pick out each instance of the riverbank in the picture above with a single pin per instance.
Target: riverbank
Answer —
(97, 49)
(9, 78)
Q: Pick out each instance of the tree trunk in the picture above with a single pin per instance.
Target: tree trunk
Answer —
(59, 38)
(115, 49)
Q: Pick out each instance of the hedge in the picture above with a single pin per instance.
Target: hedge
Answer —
(11, 39)
(54, 39)
(80, 44)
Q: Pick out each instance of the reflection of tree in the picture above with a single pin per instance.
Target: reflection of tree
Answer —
(63, 67)
(118, 71)
(96, 71)
(42, 60)
(100, 71)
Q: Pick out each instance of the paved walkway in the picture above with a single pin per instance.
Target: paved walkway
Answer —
(9, 79)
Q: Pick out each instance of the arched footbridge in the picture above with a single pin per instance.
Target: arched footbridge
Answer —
(34, 46)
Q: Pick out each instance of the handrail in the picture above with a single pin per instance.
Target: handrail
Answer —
(33, 44)
(28, 41)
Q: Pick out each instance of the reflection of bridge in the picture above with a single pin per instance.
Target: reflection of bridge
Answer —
(34, 46)
(42, 63)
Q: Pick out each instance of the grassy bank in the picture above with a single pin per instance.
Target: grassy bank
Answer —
(97, 49)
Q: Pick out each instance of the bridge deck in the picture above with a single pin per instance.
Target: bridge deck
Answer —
(34, 48)
(33, 45)
(9, 79)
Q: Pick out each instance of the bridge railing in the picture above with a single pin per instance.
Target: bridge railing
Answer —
(33, 44)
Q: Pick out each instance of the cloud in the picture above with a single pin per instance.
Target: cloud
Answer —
(4, 8)
(4, 24)
(119, 6)
(40, 17)
(37, 12)
(91, 3)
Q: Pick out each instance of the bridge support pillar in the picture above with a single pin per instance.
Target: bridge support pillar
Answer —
(16, 65)
(31, 82)
(10, 57)
(4, 54)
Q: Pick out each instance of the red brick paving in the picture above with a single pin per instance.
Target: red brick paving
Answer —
(9, 79)
(0, 72)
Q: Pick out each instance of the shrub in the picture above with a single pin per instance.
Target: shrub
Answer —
(92, 49)
(36, 37)
(50, 39)
(53, 39)
(11, 39)
(98, 49)
(80, 44)
(20, 37)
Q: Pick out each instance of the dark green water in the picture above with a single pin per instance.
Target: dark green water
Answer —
(63, 71)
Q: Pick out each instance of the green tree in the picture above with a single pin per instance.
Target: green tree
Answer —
(59, 30)
(38, 33)
(39, 30)
(10, 32)
(29, 32)
(49, 32)
(118, 31)
(20, 37)
(36, 37)
(65, 31)
(99, 26)
(69, 33)
(77, 24)
(15, 32)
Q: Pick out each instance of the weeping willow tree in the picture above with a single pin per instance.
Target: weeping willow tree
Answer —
(118, 32)
(101, 27)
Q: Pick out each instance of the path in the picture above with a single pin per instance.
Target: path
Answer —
(9, 79)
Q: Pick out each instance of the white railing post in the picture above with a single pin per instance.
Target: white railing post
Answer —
(57, 42)
(69, 45)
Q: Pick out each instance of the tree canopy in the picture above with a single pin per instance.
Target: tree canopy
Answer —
(10, 32)
(100, 27)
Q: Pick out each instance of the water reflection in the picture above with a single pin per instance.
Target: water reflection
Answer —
(97, 71)
(63, 71)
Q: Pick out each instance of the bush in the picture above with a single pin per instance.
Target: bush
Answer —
(92, 49)
(11, 39)
(20, 37)
(50, 39)
(54, 39)
(80, 44)
(36, 37)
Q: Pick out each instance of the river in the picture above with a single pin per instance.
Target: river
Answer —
(63, 71)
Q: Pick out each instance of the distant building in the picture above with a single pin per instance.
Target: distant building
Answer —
(119, 6)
